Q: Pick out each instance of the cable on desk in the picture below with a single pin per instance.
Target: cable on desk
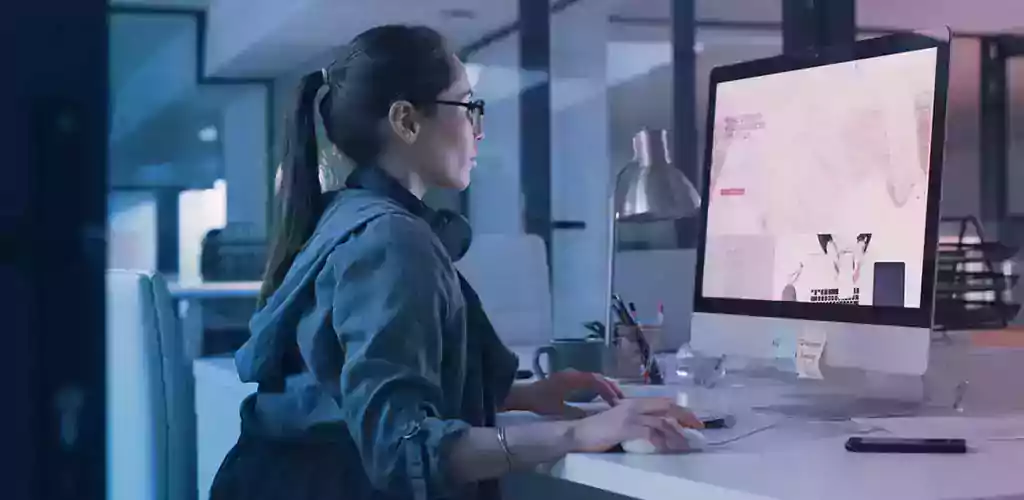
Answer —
(733, 439)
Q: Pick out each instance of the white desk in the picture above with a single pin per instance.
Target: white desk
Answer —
(215, 290)
(801, 459)
(795, 460)
(808, 469)
(219, 396)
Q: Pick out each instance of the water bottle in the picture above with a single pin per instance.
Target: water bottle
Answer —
(695, 368)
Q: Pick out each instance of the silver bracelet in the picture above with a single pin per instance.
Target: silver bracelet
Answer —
(503, 441)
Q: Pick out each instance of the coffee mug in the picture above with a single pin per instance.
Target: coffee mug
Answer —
(585, 355)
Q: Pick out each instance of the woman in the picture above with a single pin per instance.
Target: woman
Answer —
(379, 375)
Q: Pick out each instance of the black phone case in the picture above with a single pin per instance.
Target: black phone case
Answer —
(905, 445)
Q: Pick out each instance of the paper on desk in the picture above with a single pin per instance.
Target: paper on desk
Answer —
(969, 428)
(810, 347)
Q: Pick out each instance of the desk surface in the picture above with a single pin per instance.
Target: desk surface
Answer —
(803, 458)
(803, 469)
(215, 289)
(791, 458)
(794, 459)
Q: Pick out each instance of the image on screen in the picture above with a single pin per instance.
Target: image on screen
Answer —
(819, 183)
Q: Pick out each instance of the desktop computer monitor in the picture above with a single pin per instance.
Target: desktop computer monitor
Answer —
(822, 182)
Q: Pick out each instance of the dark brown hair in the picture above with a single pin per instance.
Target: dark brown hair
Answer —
(377, 68)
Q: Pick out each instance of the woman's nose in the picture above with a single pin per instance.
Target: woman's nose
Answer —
(480, 136)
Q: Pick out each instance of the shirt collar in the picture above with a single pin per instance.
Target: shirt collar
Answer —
(453, 231)
(376, 180)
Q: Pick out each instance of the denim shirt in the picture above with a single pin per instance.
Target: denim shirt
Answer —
(375, 341)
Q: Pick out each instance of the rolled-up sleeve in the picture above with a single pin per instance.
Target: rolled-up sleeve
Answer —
(391, 307)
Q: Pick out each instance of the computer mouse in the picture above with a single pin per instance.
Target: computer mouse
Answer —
(639, 446)
(694, 438)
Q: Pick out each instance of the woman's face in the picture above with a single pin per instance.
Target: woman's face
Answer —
(446, 145)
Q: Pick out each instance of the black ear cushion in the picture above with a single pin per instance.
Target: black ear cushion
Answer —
(454, 232)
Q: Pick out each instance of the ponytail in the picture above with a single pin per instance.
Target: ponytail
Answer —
(378, 67)
(299, 199)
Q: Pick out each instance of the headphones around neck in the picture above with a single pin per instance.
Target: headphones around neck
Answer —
(454, 232)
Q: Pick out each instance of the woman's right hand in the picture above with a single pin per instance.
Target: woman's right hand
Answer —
(659, 420)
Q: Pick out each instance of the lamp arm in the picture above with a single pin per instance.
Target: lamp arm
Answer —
(613, 243)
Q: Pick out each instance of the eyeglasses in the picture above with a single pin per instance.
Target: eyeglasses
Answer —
(474, 111)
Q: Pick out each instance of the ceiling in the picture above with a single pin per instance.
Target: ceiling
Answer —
(967, 16)
(273, 44)
(275, 39)
(723, 10)
(175, 4)
(327, 23)
(170, 136)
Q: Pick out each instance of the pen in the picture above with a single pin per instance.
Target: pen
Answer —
(623, 311)
(652, 373)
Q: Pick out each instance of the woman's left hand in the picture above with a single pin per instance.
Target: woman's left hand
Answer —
(547, 397)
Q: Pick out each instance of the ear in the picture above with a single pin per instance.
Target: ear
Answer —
(403, 119)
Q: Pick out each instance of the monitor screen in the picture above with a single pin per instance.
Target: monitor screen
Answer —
(818, 185)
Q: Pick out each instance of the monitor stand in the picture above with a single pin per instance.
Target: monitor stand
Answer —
(835, 407)
(864, 370)
(852, 393)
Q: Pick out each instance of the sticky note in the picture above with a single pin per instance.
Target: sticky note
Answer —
(810, 347)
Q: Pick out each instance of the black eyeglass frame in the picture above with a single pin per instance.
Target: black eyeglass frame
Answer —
(474, 105)
(475, 111)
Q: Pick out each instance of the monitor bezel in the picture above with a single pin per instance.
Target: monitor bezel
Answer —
(922, 316)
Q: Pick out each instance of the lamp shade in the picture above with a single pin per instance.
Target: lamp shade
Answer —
(650, 188)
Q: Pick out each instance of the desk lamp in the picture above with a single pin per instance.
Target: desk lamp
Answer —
(648, 189)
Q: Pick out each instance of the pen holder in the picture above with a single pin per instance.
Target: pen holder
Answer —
(633, 360)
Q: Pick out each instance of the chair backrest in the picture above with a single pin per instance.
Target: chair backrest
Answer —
(150, 393)
(510, 273)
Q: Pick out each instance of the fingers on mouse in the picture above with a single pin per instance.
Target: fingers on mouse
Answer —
(695, 440)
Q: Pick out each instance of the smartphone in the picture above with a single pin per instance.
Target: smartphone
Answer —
(869, 444)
